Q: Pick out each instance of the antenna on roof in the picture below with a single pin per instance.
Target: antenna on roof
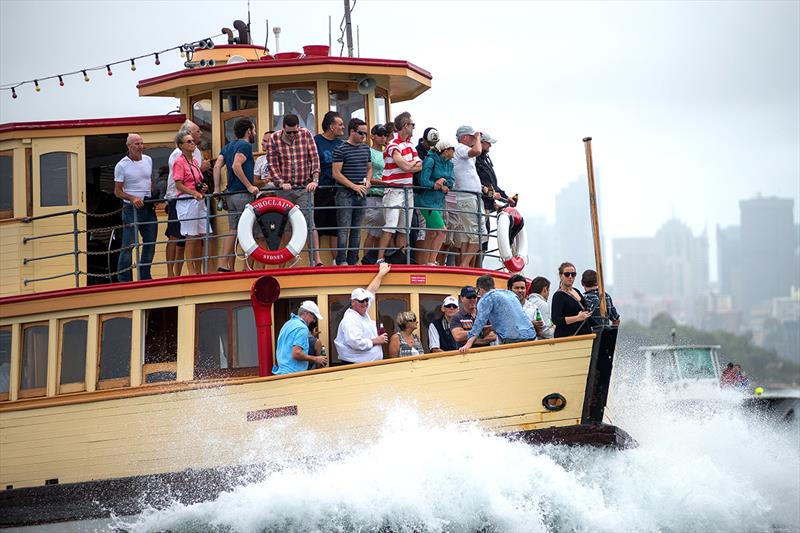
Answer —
(249, 35)
(266, 41)
(348, 28)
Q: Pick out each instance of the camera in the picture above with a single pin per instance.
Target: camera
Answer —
(199, 185)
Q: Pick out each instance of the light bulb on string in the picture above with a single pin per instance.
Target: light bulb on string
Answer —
(183, 54)
(85, 76)
(158, 61)
(60, 81)
(108, 69)
(133, 64)
(13, 93)
(36, 84)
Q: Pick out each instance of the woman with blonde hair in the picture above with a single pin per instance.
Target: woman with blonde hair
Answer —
(405, 342)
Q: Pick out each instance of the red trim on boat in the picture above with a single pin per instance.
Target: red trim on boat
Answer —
(302, 271)
(276, 63)
(93, 122)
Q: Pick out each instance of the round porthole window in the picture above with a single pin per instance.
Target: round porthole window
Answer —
(554, 402)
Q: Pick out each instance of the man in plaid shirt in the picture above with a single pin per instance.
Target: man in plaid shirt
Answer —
(294, 168)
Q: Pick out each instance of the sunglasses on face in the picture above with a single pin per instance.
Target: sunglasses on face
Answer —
(190, 141)
(569, 274)
(365, 300)
(362, 133)
(451, 306)
(474, 297)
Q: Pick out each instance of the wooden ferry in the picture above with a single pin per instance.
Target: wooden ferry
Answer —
(110, 392)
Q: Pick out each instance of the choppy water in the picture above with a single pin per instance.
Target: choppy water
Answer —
(721, 470)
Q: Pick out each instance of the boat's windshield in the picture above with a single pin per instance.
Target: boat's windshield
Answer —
(695, 363)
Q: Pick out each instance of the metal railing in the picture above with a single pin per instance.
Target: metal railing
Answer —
(111, 231)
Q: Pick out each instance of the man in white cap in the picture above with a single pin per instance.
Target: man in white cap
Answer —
(469, 203)
(440, 339)
(291, 353)
(357, 340)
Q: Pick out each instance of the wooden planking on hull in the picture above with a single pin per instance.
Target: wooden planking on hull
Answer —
(500, 388)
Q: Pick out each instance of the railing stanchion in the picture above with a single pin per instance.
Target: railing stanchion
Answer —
(478, 213)
(206, 240)
(407, 217)
(310, 237)
(75, 247)
(135, 266)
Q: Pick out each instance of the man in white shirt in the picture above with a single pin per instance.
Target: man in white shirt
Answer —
(176, 244)
(357, 340)
(133, 185)
(539, 293)
(469, 203)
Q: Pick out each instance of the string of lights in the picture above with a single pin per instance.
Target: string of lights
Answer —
(186, 49)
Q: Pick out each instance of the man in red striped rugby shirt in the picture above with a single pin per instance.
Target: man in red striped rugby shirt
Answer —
(400, 162)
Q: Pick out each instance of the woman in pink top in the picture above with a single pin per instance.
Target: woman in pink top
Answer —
(192, 213)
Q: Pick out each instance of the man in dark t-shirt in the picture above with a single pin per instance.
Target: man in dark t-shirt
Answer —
(461, 323)
(352, 170)
(237, 157)
(325, 195)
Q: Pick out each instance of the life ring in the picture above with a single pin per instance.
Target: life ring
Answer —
(271, 204)
(514, 255)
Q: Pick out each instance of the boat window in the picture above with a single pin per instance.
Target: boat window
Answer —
(33, 370)
(297, 100)
(337, 305)
(201, 115)
(430, 309)
(663, 367)
(160, 355)
(348, 102)
(226, 340)
(381, 108)
(115, 351)
(389, 305)
(28, 182)
(7, 184)
(695, 363)
(241, 102)
(73, 355)
(55, 178)
(5, 362)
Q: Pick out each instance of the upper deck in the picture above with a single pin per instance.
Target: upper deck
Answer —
(59, 218)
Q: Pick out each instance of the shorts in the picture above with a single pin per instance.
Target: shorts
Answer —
(173, 224)
(192, 214)
(451, 222)
(433, 218)
(300, 198)
(325, 219)
(469, 222)
(418, 222)
(373, 216)
(394, 214)
(236, 204)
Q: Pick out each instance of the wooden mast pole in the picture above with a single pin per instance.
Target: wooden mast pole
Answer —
(598, 254)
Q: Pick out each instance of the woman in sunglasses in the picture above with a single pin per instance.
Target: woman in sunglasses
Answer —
(405, 342)
(569, 310)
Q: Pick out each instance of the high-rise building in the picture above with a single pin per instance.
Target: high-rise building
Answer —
(671, 266)
(767, 256)
(574, 227)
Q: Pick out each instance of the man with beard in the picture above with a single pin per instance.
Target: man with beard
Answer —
(238, 159)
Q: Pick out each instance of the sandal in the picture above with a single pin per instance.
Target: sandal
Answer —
(223, 269)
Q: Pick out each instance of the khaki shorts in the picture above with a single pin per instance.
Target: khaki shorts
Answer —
(452, 222)
(468, 220)
(373, 216)
(236, 203)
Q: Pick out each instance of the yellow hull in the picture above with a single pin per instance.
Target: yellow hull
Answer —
(196, 425)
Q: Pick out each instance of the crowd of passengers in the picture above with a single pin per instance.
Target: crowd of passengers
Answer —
(482, 315)
(342, 184)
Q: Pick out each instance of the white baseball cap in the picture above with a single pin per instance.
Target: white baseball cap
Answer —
(310, 307)
(450, 300)
(360, 294)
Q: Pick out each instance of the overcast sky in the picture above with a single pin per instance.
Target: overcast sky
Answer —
(692, 105)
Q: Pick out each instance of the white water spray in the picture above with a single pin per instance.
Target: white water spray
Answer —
(720, 471)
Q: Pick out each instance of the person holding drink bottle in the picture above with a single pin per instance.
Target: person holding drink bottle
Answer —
(358, 340)
(192, 213)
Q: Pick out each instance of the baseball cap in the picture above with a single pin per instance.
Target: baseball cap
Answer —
(464, 130)
(485, 137)
(443, 145)
(379, 129)
(431, 135)
(312, 308)
(450, 300)
(360, 294)
(468, 291)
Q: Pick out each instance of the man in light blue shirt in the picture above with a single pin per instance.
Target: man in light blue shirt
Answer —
(291, 354)
(502, 309)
